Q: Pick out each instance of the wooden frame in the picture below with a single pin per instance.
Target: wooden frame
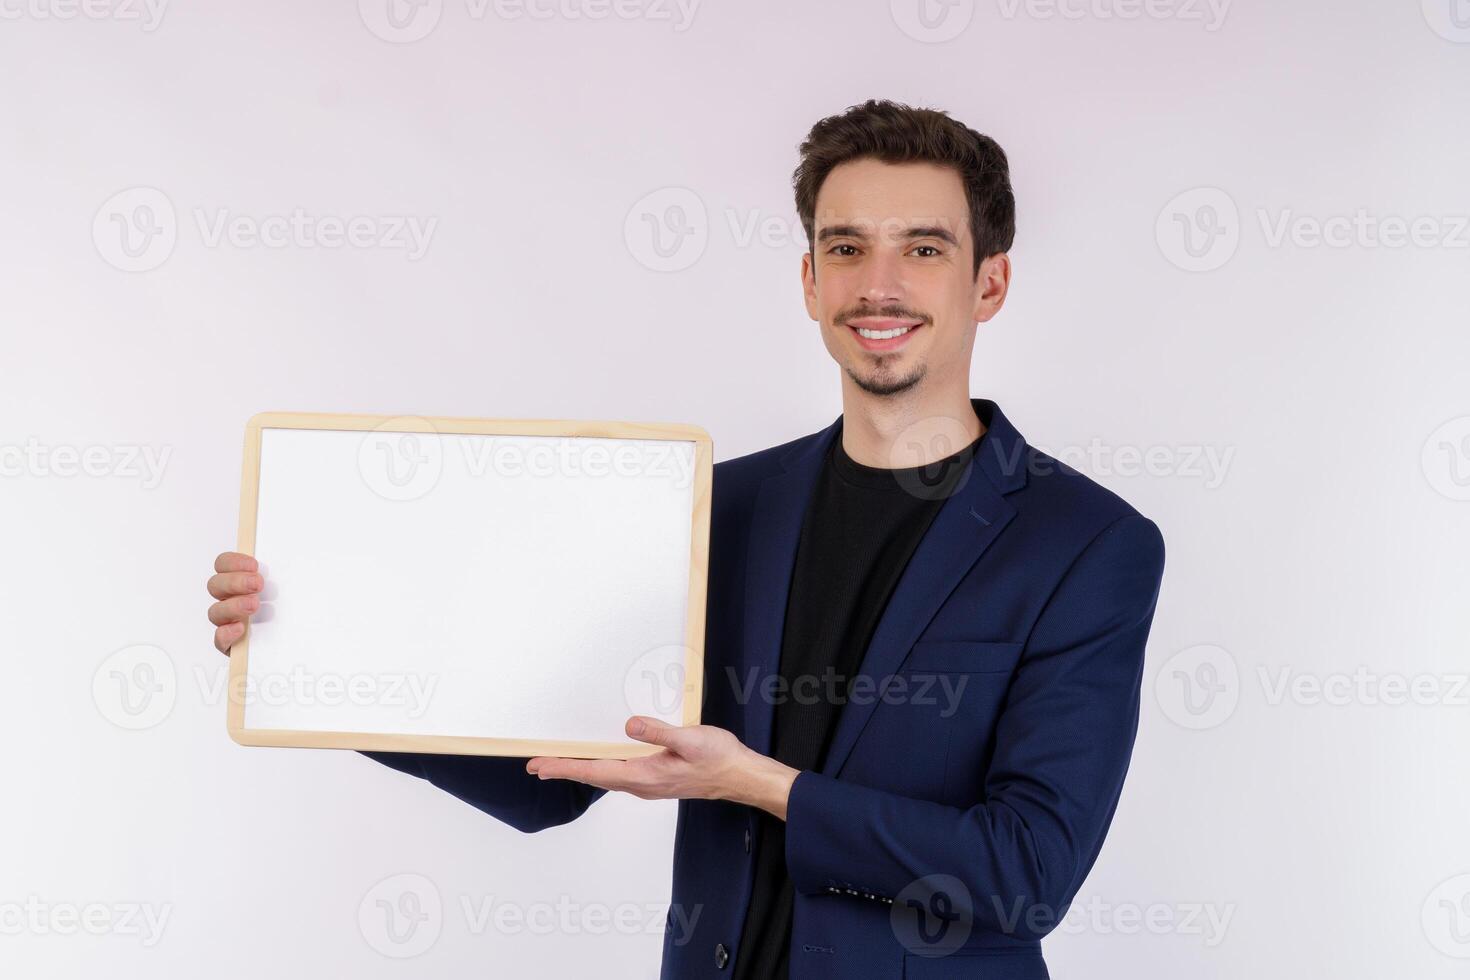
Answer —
(693, 666)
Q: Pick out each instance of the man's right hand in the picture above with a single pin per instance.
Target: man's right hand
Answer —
(236, 583)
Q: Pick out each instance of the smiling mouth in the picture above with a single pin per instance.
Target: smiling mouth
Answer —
(883, 334)
(879, 334)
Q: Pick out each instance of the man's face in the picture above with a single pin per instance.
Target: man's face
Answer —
(892, 279)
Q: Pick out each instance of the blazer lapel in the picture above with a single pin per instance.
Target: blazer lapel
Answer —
(965, 526)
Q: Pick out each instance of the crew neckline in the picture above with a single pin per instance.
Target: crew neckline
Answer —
(927, 476)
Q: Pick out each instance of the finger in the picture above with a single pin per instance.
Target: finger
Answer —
(226, 584)
(606, 773)
(226, 635)
(656, 732)
(233, 610)
(235, 561)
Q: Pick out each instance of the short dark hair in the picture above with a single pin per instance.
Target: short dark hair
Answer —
(896, 133)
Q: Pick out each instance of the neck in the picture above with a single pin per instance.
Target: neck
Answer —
(912, 428)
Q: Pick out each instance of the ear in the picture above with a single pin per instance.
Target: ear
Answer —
(991, 286)
(809, 284)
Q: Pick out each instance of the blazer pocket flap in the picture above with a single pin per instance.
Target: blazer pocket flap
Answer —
(963, 656)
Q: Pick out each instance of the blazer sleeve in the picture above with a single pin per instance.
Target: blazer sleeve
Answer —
(1063, 741)
(499, 786)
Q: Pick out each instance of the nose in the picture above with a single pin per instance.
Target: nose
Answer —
(882, 280)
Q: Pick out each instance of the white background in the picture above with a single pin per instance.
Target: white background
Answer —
(1333, 541)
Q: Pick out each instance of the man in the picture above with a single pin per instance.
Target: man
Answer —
(925, 638)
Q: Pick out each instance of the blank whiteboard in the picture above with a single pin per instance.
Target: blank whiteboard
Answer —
(471, 586)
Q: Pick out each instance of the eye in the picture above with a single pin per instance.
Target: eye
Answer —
(930, 248)
(834, 248)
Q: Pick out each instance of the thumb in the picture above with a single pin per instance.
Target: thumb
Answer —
(654, 731)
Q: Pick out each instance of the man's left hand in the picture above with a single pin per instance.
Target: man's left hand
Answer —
(699, 762)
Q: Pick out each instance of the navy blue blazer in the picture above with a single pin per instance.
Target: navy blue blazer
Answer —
(947, 830)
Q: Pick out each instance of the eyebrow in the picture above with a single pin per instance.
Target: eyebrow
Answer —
(920, 231)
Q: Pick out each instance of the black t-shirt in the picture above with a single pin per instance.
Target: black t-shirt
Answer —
(860, 529)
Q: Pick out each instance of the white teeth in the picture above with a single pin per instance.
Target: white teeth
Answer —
(883, 334)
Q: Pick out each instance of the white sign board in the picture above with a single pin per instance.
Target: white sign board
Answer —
(471, 586)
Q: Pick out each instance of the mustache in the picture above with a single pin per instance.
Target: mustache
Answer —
(891, 312)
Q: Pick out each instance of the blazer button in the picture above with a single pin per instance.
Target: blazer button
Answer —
(747, 840)
(722, 956)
